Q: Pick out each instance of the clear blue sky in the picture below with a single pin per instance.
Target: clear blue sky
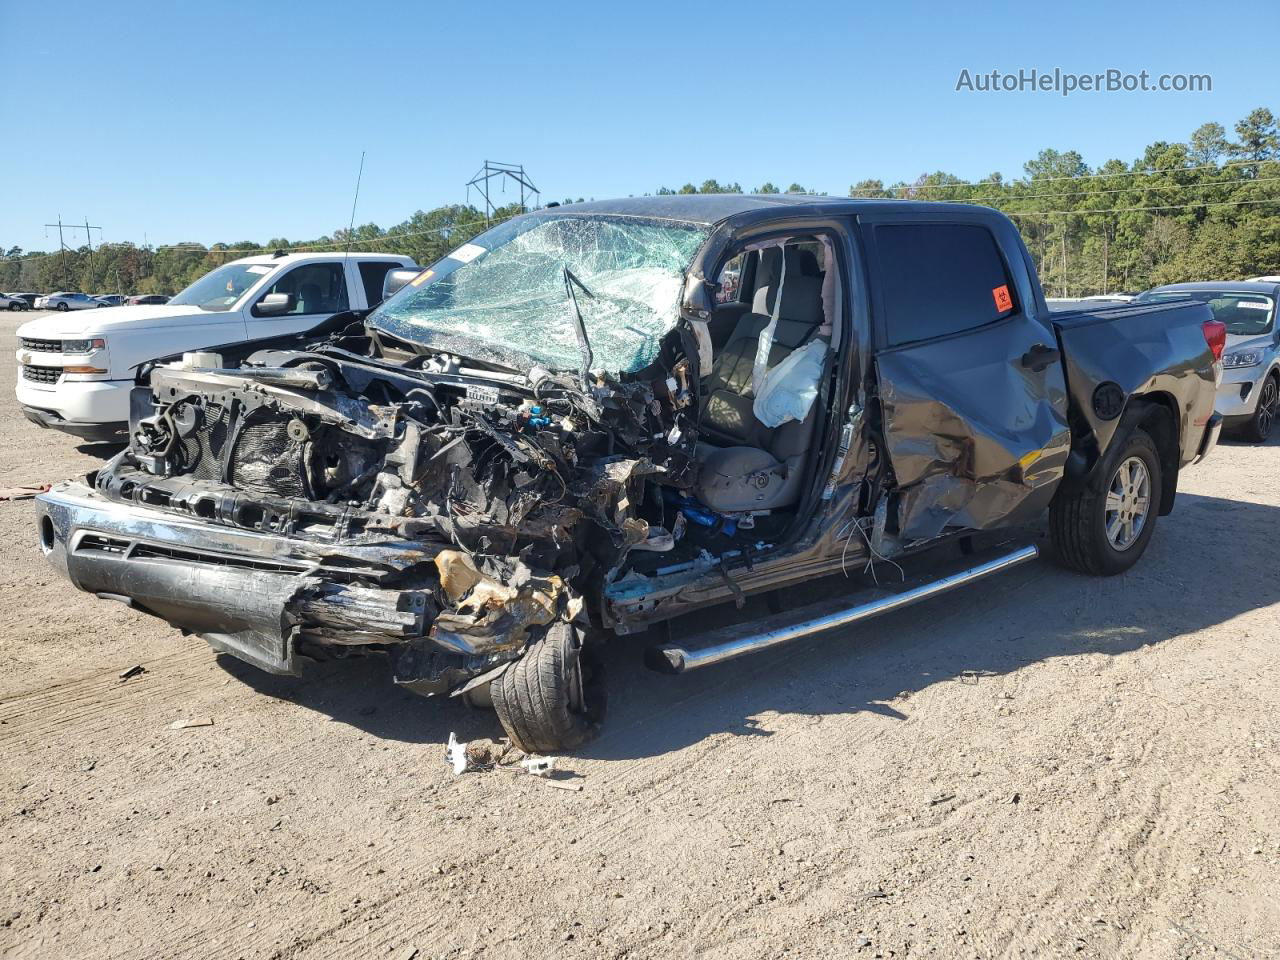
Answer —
(228, 121)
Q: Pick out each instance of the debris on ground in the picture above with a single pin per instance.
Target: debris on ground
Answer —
(479, 755)
(26, 492)
(474, 754)
(539, 766)
(193, 722)
(135, 671)
(456, 755)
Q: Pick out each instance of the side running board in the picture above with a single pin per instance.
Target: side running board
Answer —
(723, 645)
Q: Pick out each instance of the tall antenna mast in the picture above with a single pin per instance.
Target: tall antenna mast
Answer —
(354, 200)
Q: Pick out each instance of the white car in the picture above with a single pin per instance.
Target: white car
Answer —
(12, 303)
(76, 373)
(64, 301)
(1249, 395)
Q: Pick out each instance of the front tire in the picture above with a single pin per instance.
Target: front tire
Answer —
(1260, 425)
(553, 698)
(15, 306)
(1103, 527)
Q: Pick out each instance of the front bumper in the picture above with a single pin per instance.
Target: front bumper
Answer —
(1237, 397)
(248, 594)
(92, 432)
(75, 405)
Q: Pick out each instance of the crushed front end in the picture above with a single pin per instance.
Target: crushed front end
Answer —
(330, 503)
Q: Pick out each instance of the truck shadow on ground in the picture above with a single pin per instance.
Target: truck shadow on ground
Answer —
(101, 449)
(1207, 563)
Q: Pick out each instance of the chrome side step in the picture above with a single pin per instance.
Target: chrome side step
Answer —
(673, 658)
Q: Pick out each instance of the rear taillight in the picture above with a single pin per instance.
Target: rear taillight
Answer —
(1215, 335)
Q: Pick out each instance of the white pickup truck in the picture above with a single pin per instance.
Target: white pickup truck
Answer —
(77, 368)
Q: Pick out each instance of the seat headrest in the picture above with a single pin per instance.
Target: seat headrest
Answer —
(801, 289)
(808, 261)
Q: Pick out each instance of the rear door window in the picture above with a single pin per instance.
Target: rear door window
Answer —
(938, 279)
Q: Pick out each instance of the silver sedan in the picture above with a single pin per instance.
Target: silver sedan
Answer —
(68, 301)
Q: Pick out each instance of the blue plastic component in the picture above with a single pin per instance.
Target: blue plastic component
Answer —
(703, 516)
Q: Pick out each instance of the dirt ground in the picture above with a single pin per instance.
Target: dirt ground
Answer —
(1044, 765)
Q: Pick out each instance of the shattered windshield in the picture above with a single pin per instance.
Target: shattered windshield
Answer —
(505, 291)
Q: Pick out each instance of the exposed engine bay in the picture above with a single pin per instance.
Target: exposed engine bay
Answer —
(524, 494)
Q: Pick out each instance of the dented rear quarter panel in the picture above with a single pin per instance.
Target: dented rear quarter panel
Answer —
(1156, 351)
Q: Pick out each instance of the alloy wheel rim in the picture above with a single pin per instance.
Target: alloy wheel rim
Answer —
(1267, 407)
(1128, 502)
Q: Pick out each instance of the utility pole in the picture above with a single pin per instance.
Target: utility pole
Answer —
(62, 250)
(88, 236)
(62, 246)
(1106, 258)
(504, 172)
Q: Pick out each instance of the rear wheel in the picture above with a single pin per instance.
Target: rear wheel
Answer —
(63, 307)
(1103, 527)
(553, 698)
(1260, 425)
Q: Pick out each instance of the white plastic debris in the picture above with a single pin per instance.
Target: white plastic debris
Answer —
(539, 766)
(456, 754)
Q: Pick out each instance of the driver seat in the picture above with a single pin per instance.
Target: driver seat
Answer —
(744, 464)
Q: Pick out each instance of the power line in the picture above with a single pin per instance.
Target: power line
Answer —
(1172, 206)
(385, 238)
(1094, 193)
(1147, 172)
(393, 237)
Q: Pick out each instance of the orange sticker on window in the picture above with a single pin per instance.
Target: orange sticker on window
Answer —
(1004, 302)
(421, 278)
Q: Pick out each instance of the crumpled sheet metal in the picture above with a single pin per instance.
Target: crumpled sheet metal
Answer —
(967, 473)
(489, 616)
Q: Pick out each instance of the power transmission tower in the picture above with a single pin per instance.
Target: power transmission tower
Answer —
(62, 246)
(504, 172)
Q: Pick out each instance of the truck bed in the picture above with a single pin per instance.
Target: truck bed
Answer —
(1157, 351)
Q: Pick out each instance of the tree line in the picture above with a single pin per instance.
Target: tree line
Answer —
(1205, 209)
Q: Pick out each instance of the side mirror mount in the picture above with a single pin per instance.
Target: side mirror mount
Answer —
(275, 304)
(697, 302)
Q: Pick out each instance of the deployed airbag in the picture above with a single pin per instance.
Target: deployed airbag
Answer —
(789, 389)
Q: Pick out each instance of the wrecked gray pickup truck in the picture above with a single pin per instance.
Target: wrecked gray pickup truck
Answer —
(598, 417)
